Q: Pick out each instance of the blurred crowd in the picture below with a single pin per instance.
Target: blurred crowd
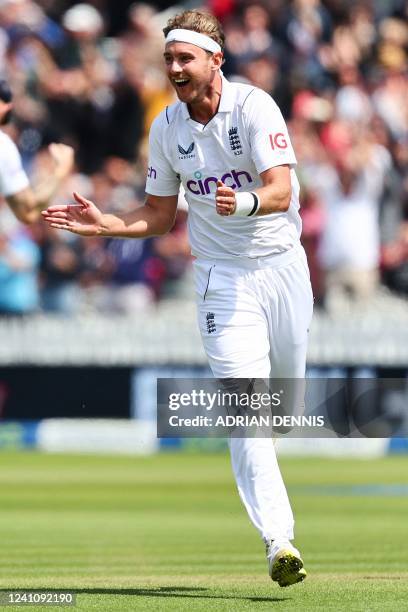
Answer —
(91, 75)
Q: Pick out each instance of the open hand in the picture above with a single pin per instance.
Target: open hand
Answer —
(224, 200)
(83, 218)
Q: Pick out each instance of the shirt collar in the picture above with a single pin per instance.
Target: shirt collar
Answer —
(226, 103)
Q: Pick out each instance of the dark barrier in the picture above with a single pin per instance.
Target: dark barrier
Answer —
(35, 393)
(45, 392)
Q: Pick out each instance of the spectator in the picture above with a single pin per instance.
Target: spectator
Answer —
(61, 262)
(136, 275)
(25, 202)
(313, 223)
(19, 260)
(395, 248)
(85, 94)
(78, 69)
(351, 192)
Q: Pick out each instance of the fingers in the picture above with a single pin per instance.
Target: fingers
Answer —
(61, 224)
(58, 148)
(56, 208)
(225, 209)
(223, 190)
(66, 207)
(57, 220)
(63, 156)
(54, 215)
(53, 148)
(81, 200)
(224, 199)
(225, 212)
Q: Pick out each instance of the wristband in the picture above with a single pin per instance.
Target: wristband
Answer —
(246, 204)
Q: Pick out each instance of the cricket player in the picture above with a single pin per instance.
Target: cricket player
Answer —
(228, 145)
(25, 202)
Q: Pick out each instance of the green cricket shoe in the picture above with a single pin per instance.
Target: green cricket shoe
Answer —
(285, 564)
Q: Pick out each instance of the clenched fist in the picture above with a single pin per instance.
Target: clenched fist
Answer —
(63, 156)
(225, 203)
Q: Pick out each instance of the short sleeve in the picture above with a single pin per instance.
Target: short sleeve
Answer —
(12, 176)
(268, 134)
(162, 179)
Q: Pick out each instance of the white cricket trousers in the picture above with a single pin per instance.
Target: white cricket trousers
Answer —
(254, 318)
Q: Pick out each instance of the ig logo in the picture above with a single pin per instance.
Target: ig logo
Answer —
(278, 141)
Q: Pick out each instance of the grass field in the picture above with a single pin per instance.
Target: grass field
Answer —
(168, 533)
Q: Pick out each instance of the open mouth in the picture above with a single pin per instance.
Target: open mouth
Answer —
(181, 82)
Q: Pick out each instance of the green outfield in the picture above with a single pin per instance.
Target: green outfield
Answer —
(168, 533)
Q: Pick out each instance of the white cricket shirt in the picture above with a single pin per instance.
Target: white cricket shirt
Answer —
(351, 235)
(247, 136)
(12, 176)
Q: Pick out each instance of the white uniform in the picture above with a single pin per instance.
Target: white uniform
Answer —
(252, 282)
(12, 176)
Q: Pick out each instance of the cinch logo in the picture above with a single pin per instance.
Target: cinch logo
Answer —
(278, 140)
(231, 179)
(151, 172)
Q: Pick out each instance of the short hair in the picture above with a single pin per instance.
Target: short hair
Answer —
(198, 21)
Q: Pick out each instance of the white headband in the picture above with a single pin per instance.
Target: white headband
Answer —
(195, 38)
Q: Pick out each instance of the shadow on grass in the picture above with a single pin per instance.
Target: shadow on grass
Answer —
(388, 577)
(165, 591)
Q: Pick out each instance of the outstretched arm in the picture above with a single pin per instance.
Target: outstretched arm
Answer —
(156, 217)
(28, 203)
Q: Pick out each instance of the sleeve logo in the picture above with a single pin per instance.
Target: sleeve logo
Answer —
(278, 141)
(186, 153)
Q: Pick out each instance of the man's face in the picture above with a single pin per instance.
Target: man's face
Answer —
(190, 69)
